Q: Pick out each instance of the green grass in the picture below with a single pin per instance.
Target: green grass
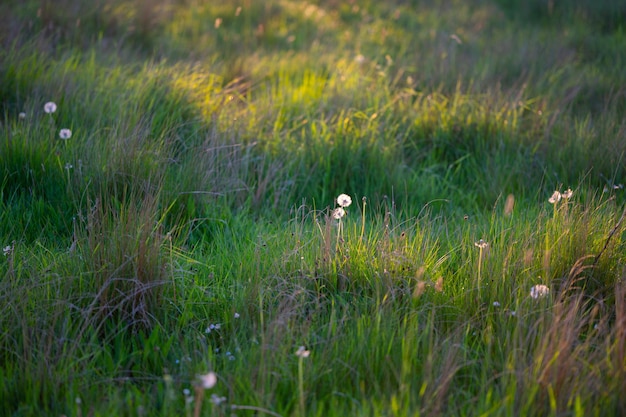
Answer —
(186, 226)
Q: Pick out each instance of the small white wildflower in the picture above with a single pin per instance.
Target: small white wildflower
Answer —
(78, 400)
(344, 200)
(481, 244)
(65, 134)
(208, 381)
(496, 304)
(513, 313)
(22, 115)
(338, 213)
(68, 166)
(186, 392)
(237, 315)
(217, 400)
(7, 250)
(567, 194)
(50, 107)
(539, 291)
(555, 198)
(302, 352)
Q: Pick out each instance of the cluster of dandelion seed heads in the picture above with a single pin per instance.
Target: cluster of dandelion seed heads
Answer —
(343, 200)
(51, 107)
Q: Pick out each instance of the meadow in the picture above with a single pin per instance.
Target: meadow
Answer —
(325, 208)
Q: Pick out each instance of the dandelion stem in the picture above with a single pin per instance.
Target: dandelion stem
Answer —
(363, 218)
(199, 397)
(301, 383)
(480, 261)
(339, 234)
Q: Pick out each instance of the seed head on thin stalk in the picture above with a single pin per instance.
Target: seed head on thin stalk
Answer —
(344, 201)
(302, 353)
(205, 382)
(481, 245)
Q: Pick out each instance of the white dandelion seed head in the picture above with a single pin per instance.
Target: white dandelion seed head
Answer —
(539, 291)
(208, 381)
(50, 107)
(567, 194)
(555, 198)
(302, 352)
(344, 200)
(338, 213)
(65, 134)
(481, 244)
